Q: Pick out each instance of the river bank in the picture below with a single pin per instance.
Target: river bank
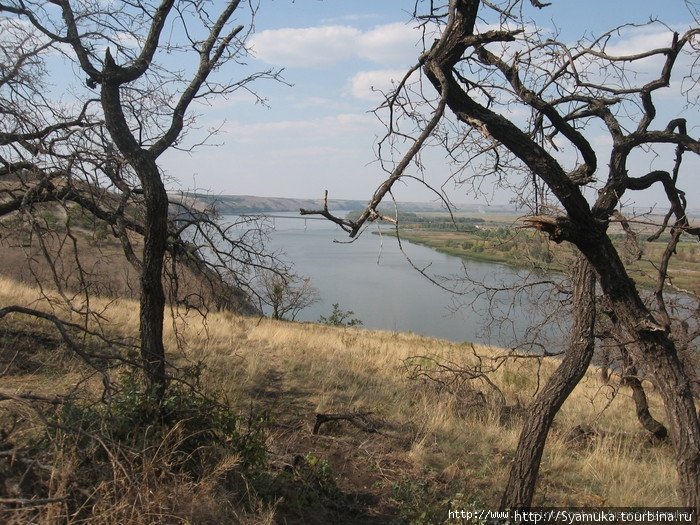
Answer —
(525, 249)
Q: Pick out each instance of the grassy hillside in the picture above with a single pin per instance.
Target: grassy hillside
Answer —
(418, 446)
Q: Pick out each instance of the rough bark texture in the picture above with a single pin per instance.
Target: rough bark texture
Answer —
(642, 406)
(540, 415)
(152, 300)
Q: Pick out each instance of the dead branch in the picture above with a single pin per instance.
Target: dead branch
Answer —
(360, 420)
(452, 377)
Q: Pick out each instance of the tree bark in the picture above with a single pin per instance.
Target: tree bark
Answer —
(642, 406)
(526, 463)
(654, 352)
(152, 301)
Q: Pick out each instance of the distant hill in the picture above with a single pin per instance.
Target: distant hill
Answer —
(242, 204)
(247, 204)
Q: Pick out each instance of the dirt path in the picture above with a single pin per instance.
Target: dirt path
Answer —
(340, 475)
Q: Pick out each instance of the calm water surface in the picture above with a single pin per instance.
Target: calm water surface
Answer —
(373, 278)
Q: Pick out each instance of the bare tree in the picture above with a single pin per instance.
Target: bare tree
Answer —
(137, 100)
(286, 295)
(487, 60)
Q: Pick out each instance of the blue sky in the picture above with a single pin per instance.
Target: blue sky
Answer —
(318, 133)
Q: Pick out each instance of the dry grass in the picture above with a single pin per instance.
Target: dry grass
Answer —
(435, 435)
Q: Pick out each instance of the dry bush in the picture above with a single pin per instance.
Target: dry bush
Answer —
(132, 461)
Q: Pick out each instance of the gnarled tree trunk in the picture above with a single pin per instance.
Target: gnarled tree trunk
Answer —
(152, 297)
(642, 406)
(526, 463)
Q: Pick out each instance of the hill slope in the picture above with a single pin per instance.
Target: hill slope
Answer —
(242, 204)
(413, 435)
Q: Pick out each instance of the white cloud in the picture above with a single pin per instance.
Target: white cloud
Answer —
(369, 85)
(633, 41)
(604, 140)
(641, 40)
(388, 44)
(307, 47)
(290, 130)
(391, 44)
(315, 103)
(127, 39)
(630, 42)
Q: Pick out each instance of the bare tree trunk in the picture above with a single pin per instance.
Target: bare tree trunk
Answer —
(631, 379)
(152, 300)
(526, 463)
(655, 353)
(152, 294)
(682, 417)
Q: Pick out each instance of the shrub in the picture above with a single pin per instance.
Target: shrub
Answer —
(177, 458)
(133, 417)
(339, 317)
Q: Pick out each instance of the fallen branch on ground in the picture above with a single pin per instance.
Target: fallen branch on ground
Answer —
(359, 419)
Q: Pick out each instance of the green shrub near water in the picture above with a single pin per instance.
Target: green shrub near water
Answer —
(340, 317)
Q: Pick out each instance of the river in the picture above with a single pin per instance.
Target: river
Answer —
(373, 278)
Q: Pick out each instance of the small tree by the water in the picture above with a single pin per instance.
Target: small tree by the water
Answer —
(340, 317)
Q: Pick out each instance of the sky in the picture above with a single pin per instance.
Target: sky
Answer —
(318, 133)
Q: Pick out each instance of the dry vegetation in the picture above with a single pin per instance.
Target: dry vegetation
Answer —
(437, 444)
(68, 246)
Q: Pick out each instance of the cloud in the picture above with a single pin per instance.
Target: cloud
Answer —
(328, 104)
(127, 39)
(369, 85)
(633, 74)
(308, 47)
(629, 42)
(603, 140)
(290, 130)
(641, 39)
(389, 45)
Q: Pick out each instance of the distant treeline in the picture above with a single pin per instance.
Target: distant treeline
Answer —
(427, 222)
